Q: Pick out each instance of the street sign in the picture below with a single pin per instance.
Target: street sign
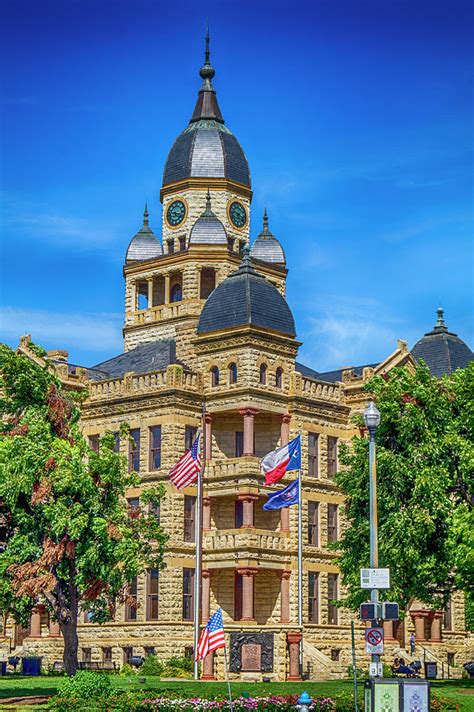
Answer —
(375, 578)
(374, 641)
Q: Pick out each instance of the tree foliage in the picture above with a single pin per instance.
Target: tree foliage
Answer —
(70, 540)
(425, 466)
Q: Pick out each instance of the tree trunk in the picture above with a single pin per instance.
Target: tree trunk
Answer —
(71, 645)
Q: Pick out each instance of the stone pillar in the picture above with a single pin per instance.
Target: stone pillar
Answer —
(285, 519)
(285, 596)
(247, 510)
(436, 626)
(418, 618)
(248, 416)
(206, 595)
(208, 667)
(293, 640)
(206, 514)
(248, 574)
(54, 629)
(285, 428)
(208, 425)
(150, 293)
(35, 624)
(167, 288)
(134, 296)
(388, 630)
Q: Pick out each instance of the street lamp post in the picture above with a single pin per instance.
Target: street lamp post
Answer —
(372, 421)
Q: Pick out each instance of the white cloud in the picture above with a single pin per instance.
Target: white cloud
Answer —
(89, 331)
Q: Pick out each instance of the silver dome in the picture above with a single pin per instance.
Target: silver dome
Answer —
(208, 229)
(266, 247)
(144, 245)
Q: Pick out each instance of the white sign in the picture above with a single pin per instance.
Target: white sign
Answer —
(375, 578)
(374, 641)
(375, 669)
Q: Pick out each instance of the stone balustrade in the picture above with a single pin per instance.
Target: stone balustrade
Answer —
(238, 540)
(233, 468)
(172, 377)
(312, 388)
(163, 312)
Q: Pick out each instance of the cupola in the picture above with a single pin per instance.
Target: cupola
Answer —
(266, 247)
(441, 350)
(208, 229)
(144, 245)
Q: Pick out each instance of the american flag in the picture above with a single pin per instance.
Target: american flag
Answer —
(212, 637)
(187, 468)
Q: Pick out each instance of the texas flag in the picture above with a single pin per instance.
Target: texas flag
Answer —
(283, 459)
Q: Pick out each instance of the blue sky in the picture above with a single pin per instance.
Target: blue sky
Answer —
(356, 118)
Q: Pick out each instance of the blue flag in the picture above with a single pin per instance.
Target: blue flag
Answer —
(283, 498)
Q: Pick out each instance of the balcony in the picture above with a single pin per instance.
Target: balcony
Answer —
(132, 383)
(227, 546)
(234, 469)
(163, 312)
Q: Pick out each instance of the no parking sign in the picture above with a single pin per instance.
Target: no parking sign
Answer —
(374, 641)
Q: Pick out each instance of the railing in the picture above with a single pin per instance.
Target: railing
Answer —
(233, 468)
(318, 389)
(162, 313)
(243, 540)
(172, 377)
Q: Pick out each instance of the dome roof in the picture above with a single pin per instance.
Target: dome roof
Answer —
(206, 148)
(266, 247)
(208, 229)
(245, 298)
(145, 245)
(441, 350)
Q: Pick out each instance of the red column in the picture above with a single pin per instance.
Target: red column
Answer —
(418, 618)
(285, 519)
(248, 574)
(436, 626)
(35, 624)
(285, 428)
(54, 630)
(388, 630)
(285, 596)
(206, 595)
(206, 514)
(208, 424)
(248, 416)
(293, 640)
(248, 510)
(208, 668)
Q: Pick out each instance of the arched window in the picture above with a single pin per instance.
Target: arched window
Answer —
(278, 377)
(214, 376)
(233, 373)
(176, 294)
(263, 374)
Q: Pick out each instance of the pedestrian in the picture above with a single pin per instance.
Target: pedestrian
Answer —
(412, 644)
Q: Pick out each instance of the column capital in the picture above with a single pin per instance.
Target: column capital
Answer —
(293, 637)
(286, 418)
(437, 614)
(247, 570)
(284, 574)
(421, 613)
(206, 573)
(249, 411)
(247, 497)
(208, 417)
(206, 500)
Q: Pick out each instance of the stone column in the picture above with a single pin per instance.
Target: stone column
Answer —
(293, 640)
(208, 668)
(436, 626)
(134, 296)
(248, 416)
(167, 288)
(285, 519)
(206, 595)
(35, 624)
(247, 510)
(150, 293)
(285, 429)
(208, 425)
(206, 514)
(418, 618)
(388, 630)
(54, 629)
(285, 596)
(248, 574)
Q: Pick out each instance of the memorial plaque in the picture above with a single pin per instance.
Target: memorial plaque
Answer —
(251, 657)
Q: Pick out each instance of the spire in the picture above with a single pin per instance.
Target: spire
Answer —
(145, 216)
(265, 230)
(440, 324)
(208, 211)
(246, 264)
(206, 105)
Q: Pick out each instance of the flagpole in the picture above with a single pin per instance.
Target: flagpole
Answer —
(300, 561)
(198, 538)
(231, 704)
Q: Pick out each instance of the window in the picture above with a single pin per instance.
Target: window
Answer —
(150, 650)
(116, 442)
(448, 616)
(313, 523)
(152, 595)
(127, 654)
(134, 451)
(332, 456)
(278, 377)
(86, 655)
(238, 596)
(94, 442)
(107, 655)
(451, 658)
(230, 243)
(214, 376)
(189, 524)
(233, 373)
(263, 374)
(335, 654)
(239, 513)
(313, 596)
(170, 247)
(313, 442)
(142, 295)
(182, 244)
(190, 433)
(207, 282)
(176, 294)
(155, 447)
(133, 502)
(332, 522)
(188, 594)
(332, 596)
(131, 606)
(239, 443)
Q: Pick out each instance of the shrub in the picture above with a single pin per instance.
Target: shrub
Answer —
(85, 685)
(128, 670)
(151, 666)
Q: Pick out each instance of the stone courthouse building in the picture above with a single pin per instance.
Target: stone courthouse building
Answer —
(206, 320)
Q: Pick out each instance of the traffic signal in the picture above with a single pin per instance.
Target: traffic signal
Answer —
(390, 611)
(368, 611)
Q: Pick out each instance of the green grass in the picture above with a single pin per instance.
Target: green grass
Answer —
(460, 691)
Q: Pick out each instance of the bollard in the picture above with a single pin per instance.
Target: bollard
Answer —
(304, 702)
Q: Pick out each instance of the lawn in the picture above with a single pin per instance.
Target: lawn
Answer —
(460, 691)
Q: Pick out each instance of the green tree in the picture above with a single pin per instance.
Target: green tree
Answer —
(425, 465)
(69, 538)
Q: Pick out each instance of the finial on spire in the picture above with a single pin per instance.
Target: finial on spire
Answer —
(440, 315)
(145, 216)
(207, 71)
(208, 200)
(265, 218)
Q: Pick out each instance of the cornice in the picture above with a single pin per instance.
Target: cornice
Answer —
(205, 184)
(234, 334)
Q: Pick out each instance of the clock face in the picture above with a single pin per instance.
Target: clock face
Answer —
(176, 213)
(237, 214)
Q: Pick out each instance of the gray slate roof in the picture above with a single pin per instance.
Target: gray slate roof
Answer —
(208, 229)
(151, 356)
(266, 247)
(246, 297)
(441, 350)
(335, 376)
(144, 245)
